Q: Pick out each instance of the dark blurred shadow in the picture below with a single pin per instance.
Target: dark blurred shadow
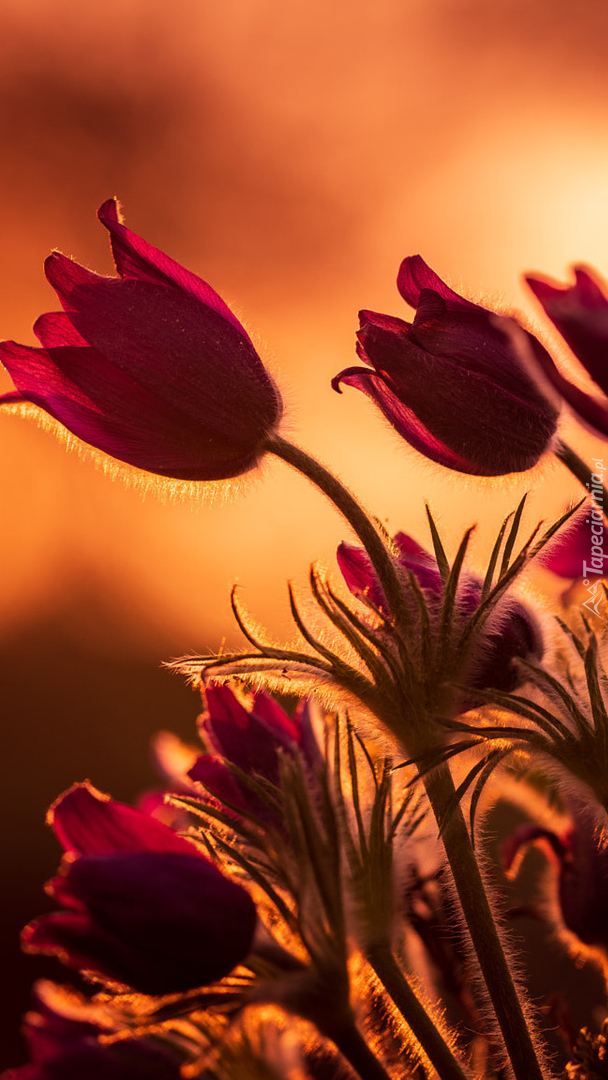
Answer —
(69, 713)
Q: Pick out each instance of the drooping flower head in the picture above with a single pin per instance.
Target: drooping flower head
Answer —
(580, 313)
(151, 367)
(142, 905)
(452, 383)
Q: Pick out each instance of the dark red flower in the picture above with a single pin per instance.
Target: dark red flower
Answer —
(580, 549)
(151, 367)
(252, 737)
(63, 1046)
(453, 383)
(143, 906)
(511, 631)
(580, 313)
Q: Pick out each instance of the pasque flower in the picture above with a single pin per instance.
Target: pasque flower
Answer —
(580, 313)
(150, 367)
(510, 633)
(143, 906)
(452, 383)
(251, 736)
(580, 550)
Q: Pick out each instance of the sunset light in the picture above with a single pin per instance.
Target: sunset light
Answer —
(290, 197)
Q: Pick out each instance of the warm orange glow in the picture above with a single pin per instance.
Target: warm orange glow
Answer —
(291, 155)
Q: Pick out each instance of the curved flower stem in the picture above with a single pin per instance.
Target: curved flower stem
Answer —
(357, 518)
(482, 927)
(439, 786)
(581, 470)
(413, 1012)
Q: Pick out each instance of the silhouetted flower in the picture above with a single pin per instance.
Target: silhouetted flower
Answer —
(151, 367)
(143, 906)
(452, 383)
(511, 632)
(580, 313)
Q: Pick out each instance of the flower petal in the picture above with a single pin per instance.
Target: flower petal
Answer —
(55, 329)
(406, 422)
(136, 258)
(183, 921)
(158, 922)
(107, 408)
(275, 718)
(580, 313)
(357, 570)
(455, 412)
(242, 736)
(415, 275)
(86, 822)
(171, 343)
(217, 779)
(580, 550)
(592, 411)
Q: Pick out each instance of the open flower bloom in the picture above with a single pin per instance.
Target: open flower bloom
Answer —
(143, 906)
(511, 631)
(151, 367)
(452, 383)
(580, 313)
(252, 736)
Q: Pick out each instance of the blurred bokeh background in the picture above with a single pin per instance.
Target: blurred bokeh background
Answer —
(291, 154)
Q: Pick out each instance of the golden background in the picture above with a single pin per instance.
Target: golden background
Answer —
(292, 155)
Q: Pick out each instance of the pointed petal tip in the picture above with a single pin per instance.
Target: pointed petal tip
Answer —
(82, 788)
(55, 263)
(543, 286)
(110, 213)
(55, 256)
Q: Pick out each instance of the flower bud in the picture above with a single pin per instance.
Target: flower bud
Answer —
(150, 367)
(453, 383)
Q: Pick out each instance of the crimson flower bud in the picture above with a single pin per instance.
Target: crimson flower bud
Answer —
(252, 737)
(143, 906)
(150, 367)
(453, 383)
(510, 633)
(580, 313)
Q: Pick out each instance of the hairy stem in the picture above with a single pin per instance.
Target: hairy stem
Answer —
(482, 927)
(413, 1012)
(357, 518)
(354, 1048)
(583, 473)
(439, 784)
